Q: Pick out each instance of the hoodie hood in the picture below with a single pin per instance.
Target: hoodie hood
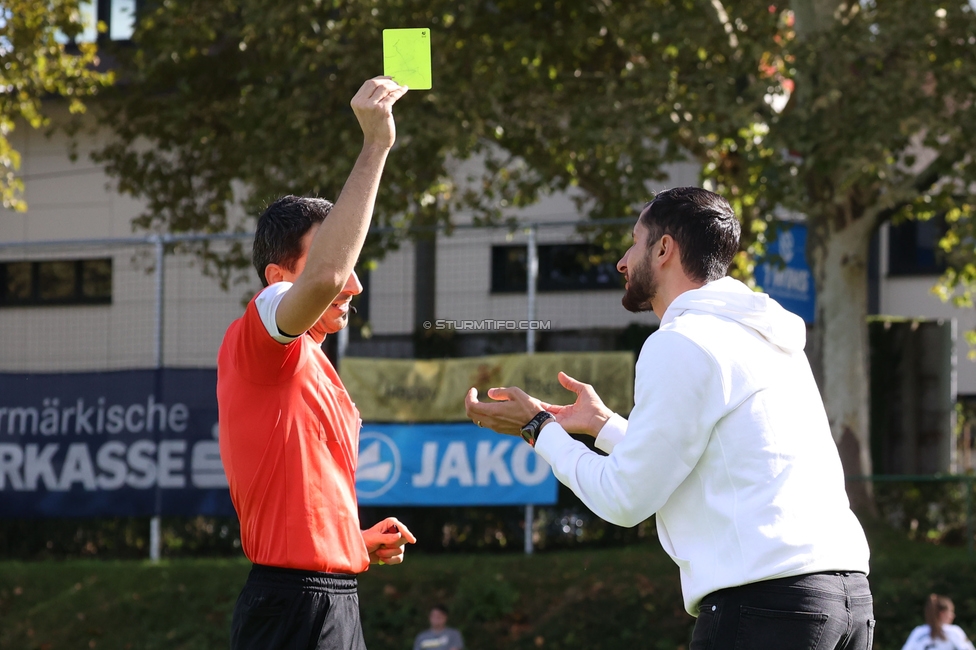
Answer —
(730, 299)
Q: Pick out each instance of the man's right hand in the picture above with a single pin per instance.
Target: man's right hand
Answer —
(587, 415)
(373, 106)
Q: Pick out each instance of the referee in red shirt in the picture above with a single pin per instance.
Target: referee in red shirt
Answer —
(289, 433)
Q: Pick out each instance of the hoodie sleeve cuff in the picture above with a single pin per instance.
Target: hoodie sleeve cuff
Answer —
(552, 441)
(612, 432)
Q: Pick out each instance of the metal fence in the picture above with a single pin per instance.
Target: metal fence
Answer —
(161, 308)
(472, 285)
(535, 286)
(473, 291)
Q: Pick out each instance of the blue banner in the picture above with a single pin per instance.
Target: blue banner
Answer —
(449, 464)
(790, 283)
(127, 443)
(144, 442)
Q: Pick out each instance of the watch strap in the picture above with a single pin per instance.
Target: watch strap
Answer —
(531, 430)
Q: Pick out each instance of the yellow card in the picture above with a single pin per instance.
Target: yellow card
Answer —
(406, 57)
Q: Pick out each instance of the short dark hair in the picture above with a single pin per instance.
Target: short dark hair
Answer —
(278, 238)
(704, 225)
(440, 607)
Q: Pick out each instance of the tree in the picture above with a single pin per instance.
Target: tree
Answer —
(244, 100)
(38, 59)
(879, 128)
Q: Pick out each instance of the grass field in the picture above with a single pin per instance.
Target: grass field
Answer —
(611, 598)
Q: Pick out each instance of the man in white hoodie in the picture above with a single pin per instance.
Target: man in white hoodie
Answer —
(728, 444)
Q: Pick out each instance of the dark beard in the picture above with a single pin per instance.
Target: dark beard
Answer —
(641, 290)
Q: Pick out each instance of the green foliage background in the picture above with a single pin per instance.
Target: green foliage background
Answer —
(606, 598)
(38, 61)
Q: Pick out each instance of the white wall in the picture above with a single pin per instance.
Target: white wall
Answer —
(66, 200)
(912, 297)
(391, 293)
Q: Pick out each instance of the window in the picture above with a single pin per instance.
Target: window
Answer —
(56, 282)
(509, 269)
(913, 247)
(562, 267)
(118, 15)
(121, 19)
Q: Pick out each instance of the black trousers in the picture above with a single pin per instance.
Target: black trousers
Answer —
(818, 611)
(289, 609)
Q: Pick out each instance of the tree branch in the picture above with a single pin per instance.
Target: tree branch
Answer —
(901, 197)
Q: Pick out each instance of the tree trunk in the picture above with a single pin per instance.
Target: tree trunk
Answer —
(840, 262)
(838, 247)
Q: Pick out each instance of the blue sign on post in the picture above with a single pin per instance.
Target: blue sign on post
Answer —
(790, 285)
(144, 442)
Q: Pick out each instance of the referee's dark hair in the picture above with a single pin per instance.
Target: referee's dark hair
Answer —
(441, 607)
(278, 239)
(704, 225)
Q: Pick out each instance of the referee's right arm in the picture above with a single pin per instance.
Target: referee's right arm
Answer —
(336, 246)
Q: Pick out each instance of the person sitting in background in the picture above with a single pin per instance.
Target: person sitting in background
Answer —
(439, 636)
(938, 633)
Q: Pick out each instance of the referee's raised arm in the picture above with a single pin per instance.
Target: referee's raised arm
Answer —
(336, 246)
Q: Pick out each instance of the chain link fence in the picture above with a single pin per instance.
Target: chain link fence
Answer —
(465, 293)
(531, 287)
(145, 304)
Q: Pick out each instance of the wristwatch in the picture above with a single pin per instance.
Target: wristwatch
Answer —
(531, 430)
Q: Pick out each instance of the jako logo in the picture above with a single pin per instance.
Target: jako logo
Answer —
(786, 246)
(379, 465)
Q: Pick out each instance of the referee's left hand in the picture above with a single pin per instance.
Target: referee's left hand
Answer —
(385, 541)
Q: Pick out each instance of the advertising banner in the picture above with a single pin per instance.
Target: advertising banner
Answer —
(126, 443)
(449, 464)
(789, 283)
(144, 442)
(411, 390)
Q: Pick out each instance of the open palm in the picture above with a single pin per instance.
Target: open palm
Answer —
(587, 414)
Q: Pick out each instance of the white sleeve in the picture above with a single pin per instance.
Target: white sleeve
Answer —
(267, 305)
(678, 398)
(914, 641)
(612, 432)
(959, 638)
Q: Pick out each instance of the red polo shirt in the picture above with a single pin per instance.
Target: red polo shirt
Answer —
(289, 440)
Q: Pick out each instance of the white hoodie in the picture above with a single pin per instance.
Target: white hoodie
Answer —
(728, 443)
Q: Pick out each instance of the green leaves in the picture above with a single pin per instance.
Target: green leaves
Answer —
(557, 96)
(34, 64)
(244, 100)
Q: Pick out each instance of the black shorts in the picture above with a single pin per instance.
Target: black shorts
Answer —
(290, 609)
